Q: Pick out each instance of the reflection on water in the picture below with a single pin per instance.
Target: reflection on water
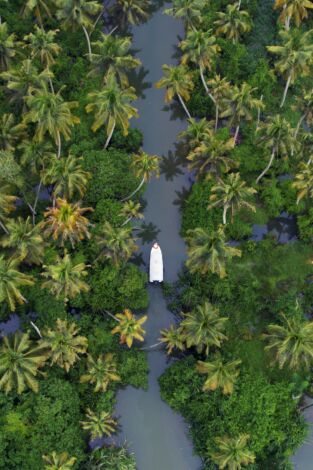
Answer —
(283, 228)
(10, 326)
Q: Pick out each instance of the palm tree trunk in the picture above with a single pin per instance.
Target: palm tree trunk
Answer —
(225, 214)
(36, 201)
(259, 115)
(98, 18)
(285, 91)
(216, 116)
(4, 228)
(239, 4)
(51, 85)
(184, 106)
(109, 136)
(36, 329)
(309, 160)
(236, 133)
(59, 144)
(134, 192)
(287, 23)
(126, 221)
(205, 85)
(111, 315)
(88, 41)
(268, 166)
(299, 125)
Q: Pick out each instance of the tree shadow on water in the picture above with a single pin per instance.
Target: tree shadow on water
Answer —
(137, 78)
(170, 166)
(148, 232)
(182, 195)
(138, 260)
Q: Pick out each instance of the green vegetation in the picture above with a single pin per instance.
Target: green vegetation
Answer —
(243, 336)
(68, 159)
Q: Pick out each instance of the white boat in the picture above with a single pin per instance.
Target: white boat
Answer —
(156, 264)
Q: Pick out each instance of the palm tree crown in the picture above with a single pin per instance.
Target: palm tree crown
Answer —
(189, 11)
(295, 56)
(64, 344)
(129, 327)
(116, 243)
(304, 181)
(204, 327)
(231, 194)
(42, 44)
(64, 278)
(292, 342)
(61, 461)
(232, 452)
(233, 23)
(132, 11)
(66, 221)
(11, 280)
(25, 239)
(111, 107)
(19, 363)
(99, 424)
(293, 9)
(208, 251)
(112, 56)
(220, 374)
(101, 372)
(7, 47)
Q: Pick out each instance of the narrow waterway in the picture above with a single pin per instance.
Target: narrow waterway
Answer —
(157, 435)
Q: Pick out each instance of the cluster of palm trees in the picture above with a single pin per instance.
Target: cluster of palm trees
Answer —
(210, 147)
(36, 143)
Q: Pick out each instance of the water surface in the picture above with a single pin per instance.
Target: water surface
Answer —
(158, 435)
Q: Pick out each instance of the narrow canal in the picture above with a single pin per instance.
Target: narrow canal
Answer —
(157, 435)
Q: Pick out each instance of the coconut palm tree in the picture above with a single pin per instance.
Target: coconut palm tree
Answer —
(42, 44)
(20, 360)
(131, 11)
(25, 240)
(295, 56)
(131, 210)
(64, 344)
(232, 452)
(190, 11)
(129, 327)
(11, 280)
(231, 194)
(7, 205)
(173, 338)
(76, 14)
(111, 107)
(211, 157)
(304, 181)
(116, 243)
(241, 105)
(51, 114)
(304, 104)
(277, 136)
(200, 48)
(66, 221)
(8, 47)
(233, 23)
(112, 56)
(99, 424)
(67, 176)
(23, 78)
(101, 372)
(40, 8)
(208, 251)
(220, 374)
(35, 155)
(114, 458)
(204, 327)
(178, 82)
(64, 278)
(196, 132)
(145, 166)
(10, 132)
(291, 342)
(56, 461)
(293, 9)
(221, 91)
